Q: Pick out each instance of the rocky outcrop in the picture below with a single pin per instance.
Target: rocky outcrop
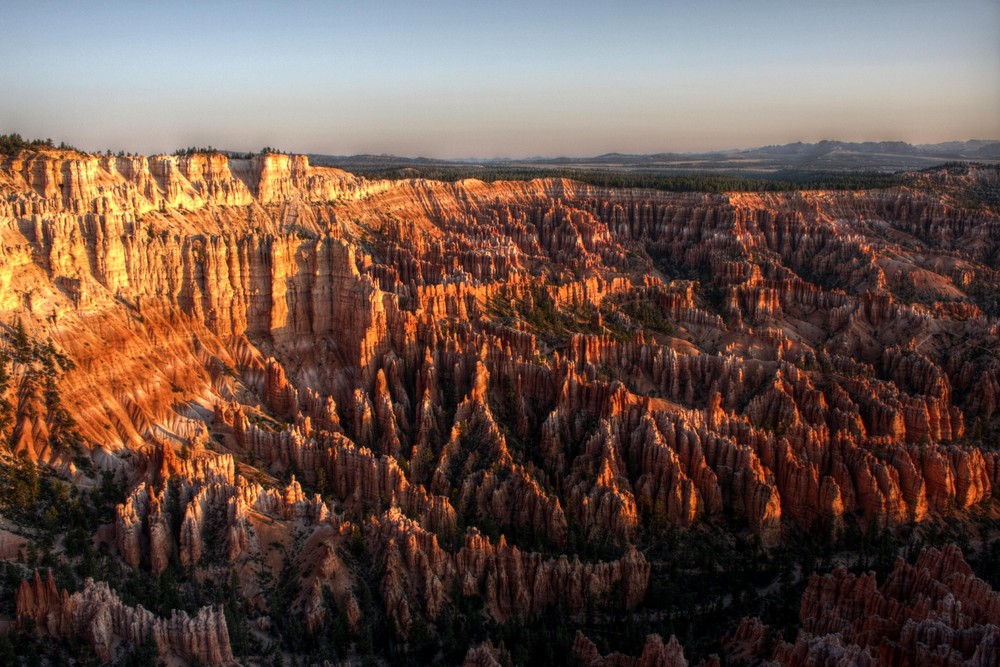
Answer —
(654, 654)
(751, 640)
(516, 503)
(418, 573)
(487, 655)
(932, 612)
(212, 507)
(98, 617)
(353, 475)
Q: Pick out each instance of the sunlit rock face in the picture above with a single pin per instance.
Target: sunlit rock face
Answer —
(497, 391)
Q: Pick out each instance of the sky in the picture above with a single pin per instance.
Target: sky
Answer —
(498, 79)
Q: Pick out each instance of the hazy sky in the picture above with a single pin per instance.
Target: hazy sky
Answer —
(463, 79)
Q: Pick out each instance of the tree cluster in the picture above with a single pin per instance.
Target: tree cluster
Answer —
(12, 143)
(29, 374)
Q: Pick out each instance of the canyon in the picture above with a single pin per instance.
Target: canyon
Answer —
(451, 412)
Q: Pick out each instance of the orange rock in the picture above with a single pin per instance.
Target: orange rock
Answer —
(98, 617)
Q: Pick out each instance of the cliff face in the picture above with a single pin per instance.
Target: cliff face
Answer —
(471, 379)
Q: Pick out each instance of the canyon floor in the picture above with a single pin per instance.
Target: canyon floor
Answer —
(260, 412)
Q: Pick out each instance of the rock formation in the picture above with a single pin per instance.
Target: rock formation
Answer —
(654, 654)
(934, 612)
(489, 388)
(97, 616)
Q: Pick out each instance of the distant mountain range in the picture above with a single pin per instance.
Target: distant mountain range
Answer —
(821, 156)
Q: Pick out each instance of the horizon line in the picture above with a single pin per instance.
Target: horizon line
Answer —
(209, 149)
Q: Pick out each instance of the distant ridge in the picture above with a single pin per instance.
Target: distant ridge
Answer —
(826, 155)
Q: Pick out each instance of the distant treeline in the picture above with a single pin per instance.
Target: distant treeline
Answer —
(233, 155)
(192, 150)
(695, 182)
(12, 143)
